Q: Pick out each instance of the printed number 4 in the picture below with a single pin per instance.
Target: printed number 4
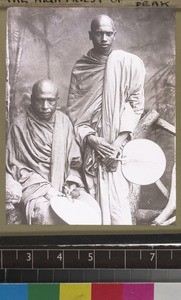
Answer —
(60, 256)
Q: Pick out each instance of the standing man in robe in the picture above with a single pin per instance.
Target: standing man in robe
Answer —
(106, 100)
(42, 154)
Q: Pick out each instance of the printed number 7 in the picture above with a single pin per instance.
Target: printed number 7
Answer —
(152, 256)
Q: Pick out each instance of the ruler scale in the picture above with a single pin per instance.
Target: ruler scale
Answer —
(90, 263)
(92, 258)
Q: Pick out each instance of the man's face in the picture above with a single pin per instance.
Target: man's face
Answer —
(103, 37)
(44, 101)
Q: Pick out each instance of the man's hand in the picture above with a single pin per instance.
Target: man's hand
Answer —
(99, 144)
(109, 153)
(71, 190)
(111, 162)
(52, 193)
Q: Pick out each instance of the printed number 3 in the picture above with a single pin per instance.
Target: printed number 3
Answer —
(28, 256)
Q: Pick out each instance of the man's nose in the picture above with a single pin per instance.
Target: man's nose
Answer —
(104, 37)
(45, 104)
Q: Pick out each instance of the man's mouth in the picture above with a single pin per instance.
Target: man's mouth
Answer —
(46, 114)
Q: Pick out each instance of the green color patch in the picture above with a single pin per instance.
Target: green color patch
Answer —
(43, 291)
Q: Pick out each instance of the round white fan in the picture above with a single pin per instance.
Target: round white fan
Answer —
(143, 161)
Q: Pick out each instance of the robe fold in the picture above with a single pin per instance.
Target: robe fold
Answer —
(106, 98)
(42, 154)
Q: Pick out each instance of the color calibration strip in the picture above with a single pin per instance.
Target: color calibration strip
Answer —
(91, 291)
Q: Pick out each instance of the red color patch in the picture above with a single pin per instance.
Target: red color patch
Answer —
(106, 291)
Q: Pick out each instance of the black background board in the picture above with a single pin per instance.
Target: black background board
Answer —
(154, 258)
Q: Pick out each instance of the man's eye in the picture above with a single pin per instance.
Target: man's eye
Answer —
(98, 34)
(51, 101)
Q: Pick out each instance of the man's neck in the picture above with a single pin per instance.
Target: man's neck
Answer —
(101, 53)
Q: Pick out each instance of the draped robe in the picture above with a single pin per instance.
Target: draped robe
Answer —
(42, 154)
(106, 98)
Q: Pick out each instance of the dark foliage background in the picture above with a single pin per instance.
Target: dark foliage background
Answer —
(46, 42)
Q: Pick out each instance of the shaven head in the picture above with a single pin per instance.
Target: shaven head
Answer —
(102, 19)
(44, 86)
(44, 99)
(102, 34)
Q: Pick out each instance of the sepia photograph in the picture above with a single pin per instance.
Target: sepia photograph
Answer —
(90, 116)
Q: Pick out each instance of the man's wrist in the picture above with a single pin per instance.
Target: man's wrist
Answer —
(124, 143)
(125, 135)
(89, 136)
(124, 138)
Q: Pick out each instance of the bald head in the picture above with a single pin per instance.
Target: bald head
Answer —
(102, 20)
(44, 98)
(44, 86)
(102, 34)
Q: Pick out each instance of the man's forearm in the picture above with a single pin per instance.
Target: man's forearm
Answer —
(75, 177)
(100, 145)
(81, 132)
(121, 139)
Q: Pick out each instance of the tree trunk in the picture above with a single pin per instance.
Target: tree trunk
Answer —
(142, 130)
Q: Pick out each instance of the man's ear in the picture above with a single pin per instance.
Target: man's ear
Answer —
(90, 35)
(114, 35)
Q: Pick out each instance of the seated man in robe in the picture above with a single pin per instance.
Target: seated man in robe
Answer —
(42, 154)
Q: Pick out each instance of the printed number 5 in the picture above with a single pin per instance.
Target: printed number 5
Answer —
(90, 256)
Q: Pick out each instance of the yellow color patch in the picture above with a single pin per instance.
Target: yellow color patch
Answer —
(75, 291)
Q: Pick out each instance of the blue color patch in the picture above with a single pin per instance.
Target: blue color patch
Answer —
(13, 291)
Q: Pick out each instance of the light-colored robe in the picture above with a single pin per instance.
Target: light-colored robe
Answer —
(40, 155)
(106, 98)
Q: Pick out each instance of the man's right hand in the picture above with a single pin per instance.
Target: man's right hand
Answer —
(52, 193)
(99, 144)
